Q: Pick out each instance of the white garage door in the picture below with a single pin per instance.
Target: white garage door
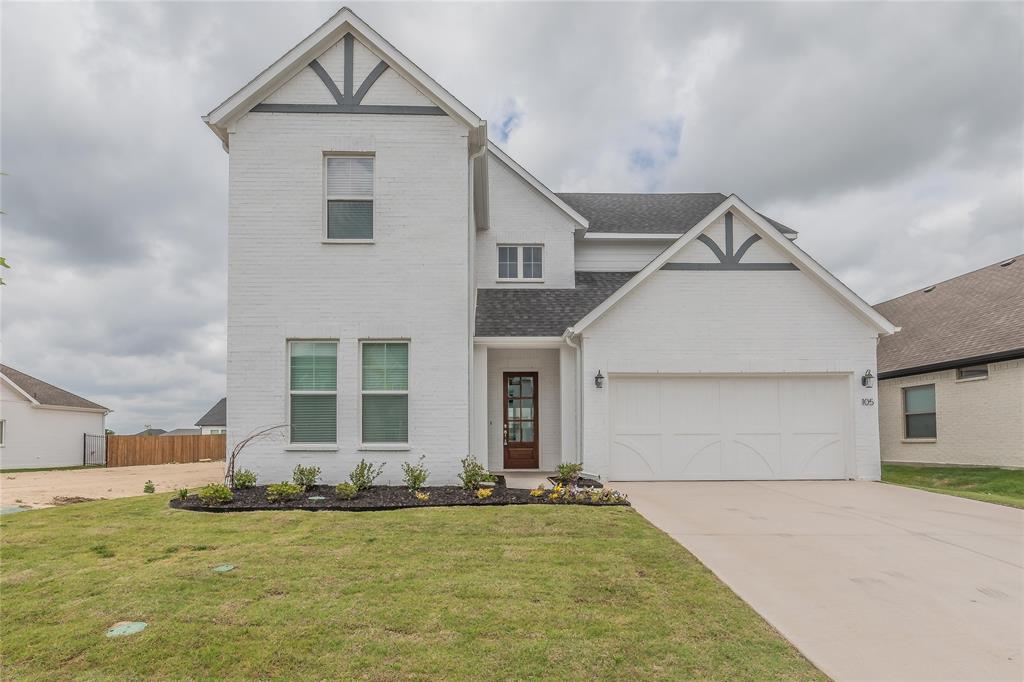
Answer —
(743, 427)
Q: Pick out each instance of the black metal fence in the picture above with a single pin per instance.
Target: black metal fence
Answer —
(94, 450)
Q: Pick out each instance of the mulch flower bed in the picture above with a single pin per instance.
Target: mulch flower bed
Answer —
(378, 498)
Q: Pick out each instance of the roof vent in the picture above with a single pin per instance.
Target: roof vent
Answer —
(1007, 262)
(929, 289)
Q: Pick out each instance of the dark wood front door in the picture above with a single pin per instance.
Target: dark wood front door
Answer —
(520, 429)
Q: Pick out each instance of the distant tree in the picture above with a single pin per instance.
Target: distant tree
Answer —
(110, 432)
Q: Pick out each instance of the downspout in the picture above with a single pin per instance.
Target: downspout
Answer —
(471, 296)
(570, 336)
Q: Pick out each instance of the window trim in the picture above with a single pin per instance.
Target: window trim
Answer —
(326, 199)
(519, 262)
(905, 414)
(395, 446)
(302, 445)
(960, 379)
(3, 432)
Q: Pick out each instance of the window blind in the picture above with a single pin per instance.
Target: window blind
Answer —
(350, 176)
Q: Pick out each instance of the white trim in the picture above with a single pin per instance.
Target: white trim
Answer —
(768, 232)
(626, 236)
(384, 447)
(68, 408)
(363, 445)
(536, 184)
(518, 341)
(223, 116)
(520, 263)
(310, 447)
(348, 241)
(328, 198)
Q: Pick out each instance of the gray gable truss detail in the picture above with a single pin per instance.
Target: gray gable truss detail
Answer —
(729, 259)
(347, 102)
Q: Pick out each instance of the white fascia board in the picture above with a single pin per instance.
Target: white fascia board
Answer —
(628, 236)
(518, 341)
(315, 44)
(16, 387)
(68, 408)
(536, 184)
(804, 262)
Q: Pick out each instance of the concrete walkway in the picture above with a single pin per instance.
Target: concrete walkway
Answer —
(870, 581)
(38, 488)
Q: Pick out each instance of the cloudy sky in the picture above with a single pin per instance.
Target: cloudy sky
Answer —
(890, 135)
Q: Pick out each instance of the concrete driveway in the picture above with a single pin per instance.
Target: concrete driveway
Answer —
(870, 581)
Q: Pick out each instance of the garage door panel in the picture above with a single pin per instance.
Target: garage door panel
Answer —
(729, 428)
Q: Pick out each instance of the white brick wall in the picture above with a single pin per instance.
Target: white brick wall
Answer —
(411, 283)
(977, 422)
(727, 322)
(36, 437)
(521, 215)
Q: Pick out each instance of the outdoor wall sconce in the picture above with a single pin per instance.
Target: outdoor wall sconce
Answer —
(867, 381)
(599, 379)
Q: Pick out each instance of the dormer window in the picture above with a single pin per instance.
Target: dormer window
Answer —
(520, 262)
(348, 190)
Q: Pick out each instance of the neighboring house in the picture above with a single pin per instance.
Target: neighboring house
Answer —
(41, 425)
(182, 432)
(150, 432)
(951, 382)
(400, 287)
(215, 420)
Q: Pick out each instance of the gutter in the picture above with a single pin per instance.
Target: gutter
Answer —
(573, 338)
(953, 364)
(471, 293)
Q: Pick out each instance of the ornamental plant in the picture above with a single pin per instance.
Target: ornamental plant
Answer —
(215, 493)
(569, 472)
(305, 477)
(365, 474)
(346, 491)
(284, 491)
(149, 487)
(473, 473)
(484, 493)
(244, 478)
(415, 475)
(422, 496)
(538, 491)
(182, 494)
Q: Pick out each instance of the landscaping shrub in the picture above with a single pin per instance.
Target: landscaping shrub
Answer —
(215, 493)
(305, 477)
(245, 478)
(422, 496)
(182, 494)
(538, 491)
(484, 493)
(474, 473)
(346, 491)
(149, 487)
(570, 472)
(415, 475)
(365, 474)
(284, 491)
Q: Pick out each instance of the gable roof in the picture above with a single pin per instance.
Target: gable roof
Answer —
(543, 312)
(973, 318)
(643, 214)
(44, 394)
(803, 262)
(150, 432)
(330, 32)
(216, 415)
(182, 432)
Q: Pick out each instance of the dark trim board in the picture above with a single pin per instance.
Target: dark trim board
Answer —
(350, 109)
(730, 258)
(729, 266)
(953, 364)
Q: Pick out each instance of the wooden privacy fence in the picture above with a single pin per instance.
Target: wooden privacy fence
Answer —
(126, 451)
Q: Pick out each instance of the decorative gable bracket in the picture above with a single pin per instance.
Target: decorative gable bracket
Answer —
(729, 259)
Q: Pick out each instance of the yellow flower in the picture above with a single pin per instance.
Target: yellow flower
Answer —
(484, 493)
(422, 496)
(538, 491)
(553, 496)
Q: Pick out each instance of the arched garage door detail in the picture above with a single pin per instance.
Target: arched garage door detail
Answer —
(729, 428)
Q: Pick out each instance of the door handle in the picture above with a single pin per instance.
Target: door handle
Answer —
(504, 434)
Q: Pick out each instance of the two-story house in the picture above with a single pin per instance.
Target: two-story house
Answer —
(399, 287)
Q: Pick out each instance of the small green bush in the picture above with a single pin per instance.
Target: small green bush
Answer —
(149, 487)
(346, 491)
(283, 492)
(415, 475)
(182, 494)
(305, 477)
(474, 473)
(215, 493)
(365, 474)
(245, 479)
(570, 472)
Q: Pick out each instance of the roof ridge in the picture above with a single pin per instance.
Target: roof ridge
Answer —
(919, 290)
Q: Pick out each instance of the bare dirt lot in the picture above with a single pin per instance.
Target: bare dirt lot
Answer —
(39, 488)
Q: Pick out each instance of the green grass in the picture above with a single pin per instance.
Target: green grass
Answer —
(444, 593)
(988, 484)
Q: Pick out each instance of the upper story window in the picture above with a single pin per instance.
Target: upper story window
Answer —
(972, 372)
(348, 189)
(521, 262)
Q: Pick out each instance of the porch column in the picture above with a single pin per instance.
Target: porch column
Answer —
(569, 394)
(478, 405)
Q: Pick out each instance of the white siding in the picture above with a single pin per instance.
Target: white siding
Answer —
(304, 88)
(977, 422)
(37, 437)
(392, 89)
(691, 322)
(207, 430)
(411, 283)
(613, 255)
(545, 363)
(521, 215)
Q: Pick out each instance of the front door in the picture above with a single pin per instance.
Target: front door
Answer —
(519, 431)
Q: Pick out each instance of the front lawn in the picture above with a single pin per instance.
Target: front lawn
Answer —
(444, 593)
(988, 484)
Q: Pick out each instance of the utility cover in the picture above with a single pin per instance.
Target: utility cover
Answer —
(125, 627)
(223, 568)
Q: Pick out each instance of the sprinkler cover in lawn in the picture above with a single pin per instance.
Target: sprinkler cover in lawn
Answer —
(316, 498)
(223, 568)
(125, 627)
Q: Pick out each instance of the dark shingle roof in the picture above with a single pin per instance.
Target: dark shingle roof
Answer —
(182, 432)
(217, 416)
(543, 312)
(976, 315)
(150, 432)
(47, 394)
(648, 213)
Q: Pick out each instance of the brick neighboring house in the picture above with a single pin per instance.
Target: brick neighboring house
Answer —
(951, 382)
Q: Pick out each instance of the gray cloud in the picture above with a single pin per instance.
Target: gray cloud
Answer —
(889, 134)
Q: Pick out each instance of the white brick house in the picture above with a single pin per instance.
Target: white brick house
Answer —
(399, 287)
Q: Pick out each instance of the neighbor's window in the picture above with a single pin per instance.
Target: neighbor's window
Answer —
(972, 372)
(313, 391)
(349, 189)
(385, 392)
(919, 411)
(509, 258)
(3, 430)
